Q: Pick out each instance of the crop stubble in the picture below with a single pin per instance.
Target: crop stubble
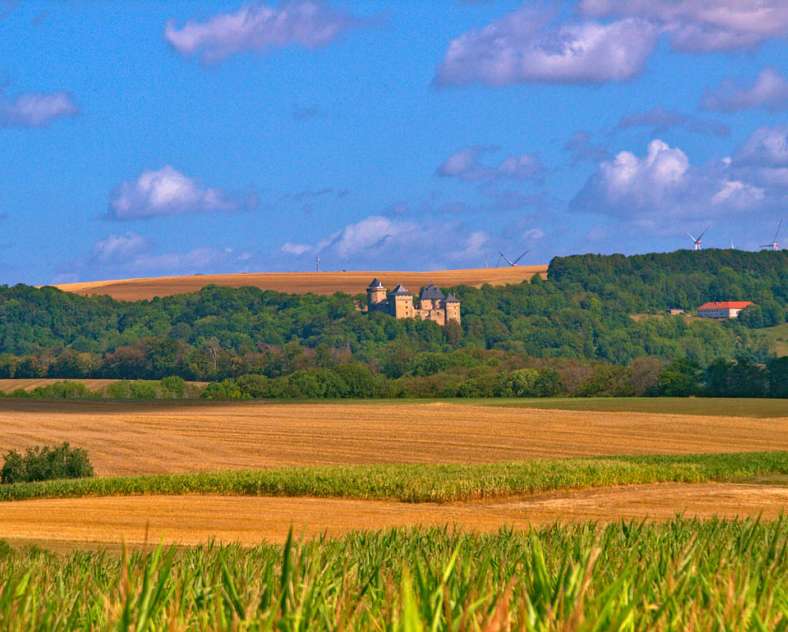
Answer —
(127, 439)
(301, 282)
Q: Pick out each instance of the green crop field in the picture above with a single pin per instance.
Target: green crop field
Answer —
(712, 406)
(425, 483)
(684, 574)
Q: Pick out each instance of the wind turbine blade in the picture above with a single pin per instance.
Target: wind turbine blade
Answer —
(703, 233)
(691, 236)
(777, 232)
(505, 258)
(520, 257)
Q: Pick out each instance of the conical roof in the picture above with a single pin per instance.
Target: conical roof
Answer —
(375, 283)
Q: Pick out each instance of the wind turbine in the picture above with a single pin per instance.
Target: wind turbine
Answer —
(512, 263)
(697, 242)
(775, 245)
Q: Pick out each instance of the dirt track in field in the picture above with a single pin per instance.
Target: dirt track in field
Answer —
(302, 282)
(158, 438)
(250, 520)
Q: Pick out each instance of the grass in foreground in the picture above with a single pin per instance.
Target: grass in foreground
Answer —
(685, 574)
(711, 406)
(424, 483)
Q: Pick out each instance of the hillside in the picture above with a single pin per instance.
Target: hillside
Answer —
(301, 282)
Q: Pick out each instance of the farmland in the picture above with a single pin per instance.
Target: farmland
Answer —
(624, 576)
(302, 282)
(195, 519)
(150, 438)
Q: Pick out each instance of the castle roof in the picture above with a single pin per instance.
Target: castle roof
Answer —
(375, 283)
(400, 290)
(452, 299)
(431, 292)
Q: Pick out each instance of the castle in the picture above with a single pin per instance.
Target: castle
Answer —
(432, 305)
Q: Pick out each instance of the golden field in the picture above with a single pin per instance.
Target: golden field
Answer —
(302, 282)
(163, 437)
(189, 520)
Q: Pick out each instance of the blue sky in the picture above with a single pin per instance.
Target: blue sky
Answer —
(141, 139)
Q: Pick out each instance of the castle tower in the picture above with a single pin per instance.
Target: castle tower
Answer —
(452, 308)
(376, 293)
(430, 298)
(401, 303)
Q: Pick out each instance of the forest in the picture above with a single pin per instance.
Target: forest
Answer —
(593, 310)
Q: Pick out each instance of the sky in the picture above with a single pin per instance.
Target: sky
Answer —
(158, 138)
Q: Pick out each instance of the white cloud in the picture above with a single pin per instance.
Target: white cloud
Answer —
(523, 47)
(533, 234)
(168, 192)
(258, 27)
(465, 164)
(737, 193)
(703, 25)
(377, 241)
(766, 146)
(769, 90)
(36, 109)
(663, 185)
(118, 248)
(291, 248)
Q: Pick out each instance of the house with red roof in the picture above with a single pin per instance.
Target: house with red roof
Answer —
(722, 309)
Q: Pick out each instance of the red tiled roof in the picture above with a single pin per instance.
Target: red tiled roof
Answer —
(724, 305)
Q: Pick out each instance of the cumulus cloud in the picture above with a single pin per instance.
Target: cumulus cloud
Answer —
(702, 25)
(526, 46)
(663, 184)
(169, 192)
(465, 164)
(769, 91)
(36, 109)
(259, 28)
(659, 120)
(118, 248)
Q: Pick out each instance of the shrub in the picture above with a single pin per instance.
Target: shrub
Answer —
(62, 390)
(172, 387)
(45, 463)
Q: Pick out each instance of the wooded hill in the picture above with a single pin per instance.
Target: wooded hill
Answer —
(583, 311)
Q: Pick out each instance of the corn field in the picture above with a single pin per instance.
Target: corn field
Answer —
(424, 483)
(679, 575)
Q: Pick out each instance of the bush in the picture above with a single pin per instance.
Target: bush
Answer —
(45, 463)
(63, 390)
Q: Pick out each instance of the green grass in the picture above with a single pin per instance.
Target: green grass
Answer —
(424, 483)
(679, 575)
(713, 406)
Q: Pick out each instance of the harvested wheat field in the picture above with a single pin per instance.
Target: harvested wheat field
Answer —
(166, 437)
(196, 519)
(302, 282)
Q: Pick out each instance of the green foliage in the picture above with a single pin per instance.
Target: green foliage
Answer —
(424, 483)
(583, 312)
(45, 463)
(726, 575)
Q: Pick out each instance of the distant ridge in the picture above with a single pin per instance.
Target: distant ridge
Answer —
(301, 282)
